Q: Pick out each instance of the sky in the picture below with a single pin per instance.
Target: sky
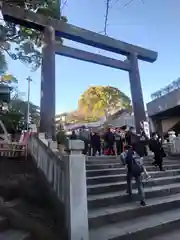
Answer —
(152, 24)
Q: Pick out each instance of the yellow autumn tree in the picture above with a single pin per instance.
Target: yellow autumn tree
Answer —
(99, 101)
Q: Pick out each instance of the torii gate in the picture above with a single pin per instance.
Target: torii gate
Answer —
(57, 28)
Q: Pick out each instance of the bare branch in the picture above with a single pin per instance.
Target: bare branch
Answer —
(129, 2)
(106, 16)
(7, 51)
(63, 4)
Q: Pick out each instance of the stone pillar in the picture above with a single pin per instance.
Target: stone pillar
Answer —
(152, 125)
(136, 92)
(47, 111)
(76, 192)
(159, 128)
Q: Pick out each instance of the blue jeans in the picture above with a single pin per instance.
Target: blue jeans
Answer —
(139, 185)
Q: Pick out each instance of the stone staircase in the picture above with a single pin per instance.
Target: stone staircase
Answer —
(113, 216)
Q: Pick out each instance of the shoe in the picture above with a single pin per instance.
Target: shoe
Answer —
(143, 203)
(155, 164)
(147, 177)
(129, 194)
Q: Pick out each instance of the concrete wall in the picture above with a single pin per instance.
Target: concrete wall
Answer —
(169, 123)
(164, 103)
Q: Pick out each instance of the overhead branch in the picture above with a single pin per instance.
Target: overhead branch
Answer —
(64, 3)
(106, 16)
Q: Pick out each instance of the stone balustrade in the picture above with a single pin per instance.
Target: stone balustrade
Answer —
(172, 147)
(67, 176)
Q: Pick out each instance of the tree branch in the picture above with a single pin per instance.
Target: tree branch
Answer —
(4, 49)
(106, 16)
(63, 4)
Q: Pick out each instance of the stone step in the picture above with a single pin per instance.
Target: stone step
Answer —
(117, 164)
(175, 235)
(111, 171)
(102, 157)
(132, 210)
(102, 166)
(110, 199)
(118, 186)
(122, 177)
(150, 156)
(114, 158)
(14, 235)
(145, 227)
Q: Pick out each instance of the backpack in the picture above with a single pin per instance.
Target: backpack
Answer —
(135, 166)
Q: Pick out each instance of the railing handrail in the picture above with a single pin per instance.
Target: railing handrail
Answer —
(67, 177)
(53, 155)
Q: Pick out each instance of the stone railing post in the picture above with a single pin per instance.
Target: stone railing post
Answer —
(76, 192)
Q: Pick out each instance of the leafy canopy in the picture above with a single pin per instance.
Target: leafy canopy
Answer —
(99, 101)
(24, 44)
(15, 117)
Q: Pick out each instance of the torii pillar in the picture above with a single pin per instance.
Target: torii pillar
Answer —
(136, 92)
(47, 112)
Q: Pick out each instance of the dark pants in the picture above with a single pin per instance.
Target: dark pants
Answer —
(158, 160)
(90, 150)
(96, 149)
(119, 147)
(110, 147)
(86, 147)
(139, 185)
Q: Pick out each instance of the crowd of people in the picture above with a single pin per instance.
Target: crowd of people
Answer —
(129, 146)
(113, 142)
(109, 142)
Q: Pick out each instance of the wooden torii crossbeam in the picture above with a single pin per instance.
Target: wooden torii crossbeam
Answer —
(65, 30)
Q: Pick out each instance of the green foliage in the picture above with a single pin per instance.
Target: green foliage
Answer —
(99, 101)
(24, 44)
(11, 119)
(21, 106)
(15, 117)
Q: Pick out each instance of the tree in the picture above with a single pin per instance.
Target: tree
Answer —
(99, 101)
(22, 43)
(19, 106)
(16, 115)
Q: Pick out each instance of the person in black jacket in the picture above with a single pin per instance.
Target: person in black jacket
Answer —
(119, 142)
(109, 140)
(156, 147)
(96, 144)
(73, 135)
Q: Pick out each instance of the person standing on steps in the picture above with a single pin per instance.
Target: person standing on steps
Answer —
(134, 170)
(109, 140)
(96, 144)
(61, 139)
(118, 140)
(156, 147)
(84, 135)
(138, 143)
(73, 136)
